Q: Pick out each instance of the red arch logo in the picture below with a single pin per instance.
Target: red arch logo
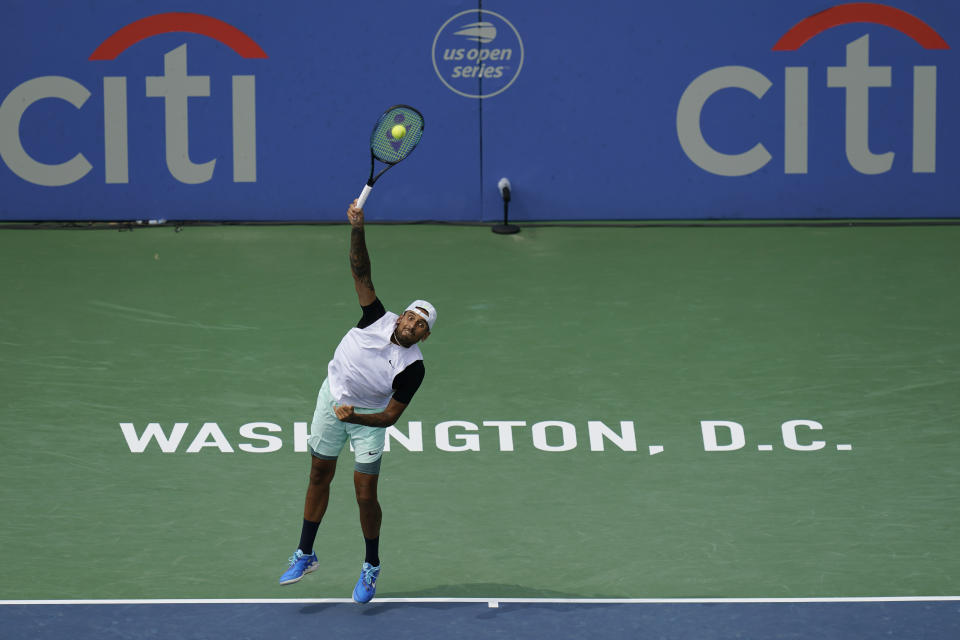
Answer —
(854, 12)
(197, 23)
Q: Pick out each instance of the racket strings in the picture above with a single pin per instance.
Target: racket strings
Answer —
(382, 143)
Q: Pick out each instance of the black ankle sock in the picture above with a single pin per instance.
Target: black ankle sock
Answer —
(373, 551)
(307, 535)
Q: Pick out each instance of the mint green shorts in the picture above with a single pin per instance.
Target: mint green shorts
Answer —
(328, 435)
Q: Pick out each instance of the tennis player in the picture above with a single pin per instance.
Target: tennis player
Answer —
(374, 373)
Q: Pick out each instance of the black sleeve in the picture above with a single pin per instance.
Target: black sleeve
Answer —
(406, 383)
(371, 313)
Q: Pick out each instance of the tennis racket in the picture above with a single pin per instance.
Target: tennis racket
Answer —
(387, 149)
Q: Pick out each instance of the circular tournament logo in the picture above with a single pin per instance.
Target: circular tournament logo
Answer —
(477, 53)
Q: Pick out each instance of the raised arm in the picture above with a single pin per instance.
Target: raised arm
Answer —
(359, 258)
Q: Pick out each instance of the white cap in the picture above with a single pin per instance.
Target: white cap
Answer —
(419, 306)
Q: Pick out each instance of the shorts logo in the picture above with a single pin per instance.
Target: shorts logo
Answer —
(477, 53)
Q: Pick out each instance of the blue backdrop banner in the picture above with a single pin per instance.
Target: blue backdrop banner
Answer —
(619, 110)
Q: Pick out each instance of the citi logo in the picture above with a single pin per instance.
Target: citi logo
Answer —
(856, 78)
(175, 87)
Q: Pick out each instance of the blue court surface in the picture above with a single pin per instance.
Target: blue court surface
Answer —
(793, 619)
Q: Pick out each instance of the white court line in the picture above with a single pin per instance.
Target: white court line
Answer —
(495, 601)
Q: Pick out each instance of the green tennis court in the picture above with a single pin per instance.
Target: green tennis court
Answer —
(558, 447)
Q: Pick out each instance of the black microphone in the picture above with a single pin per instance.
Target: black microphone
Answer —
(504, 186)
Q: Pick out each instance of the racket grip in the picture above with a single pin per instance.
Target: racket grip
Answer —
(363, 195)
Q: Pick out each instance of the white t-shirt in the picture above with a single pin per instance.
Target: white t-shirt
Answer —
(366, 362)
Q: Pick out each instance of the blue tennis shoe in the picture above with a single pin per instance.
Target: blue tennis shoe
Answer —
(300, 564)
(367, 584)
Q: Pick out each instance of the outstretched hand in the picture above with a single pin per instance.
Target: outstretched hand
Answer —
(355, 215)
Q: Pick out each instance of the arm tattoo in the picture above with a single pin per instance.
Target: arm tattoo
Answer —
(359, 258)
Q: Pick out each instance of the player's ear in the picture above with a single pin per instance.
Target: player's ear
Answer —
(425, 336)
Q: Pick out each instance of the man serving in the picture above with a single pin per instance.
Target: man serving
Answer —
(374, 373)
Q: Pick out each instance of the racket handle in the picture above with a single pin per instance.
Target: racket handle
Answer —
(363, 195)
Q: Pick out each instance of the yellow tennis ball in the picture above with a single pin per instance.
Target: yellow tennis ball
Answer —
(398, 131)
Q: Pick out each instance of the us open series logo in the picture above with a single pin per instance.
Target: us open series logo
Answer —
(477, 53)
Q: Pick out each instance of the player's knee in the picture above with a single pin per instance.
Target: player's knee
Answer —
(366, 493)
(321, 475)
(367, 499)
